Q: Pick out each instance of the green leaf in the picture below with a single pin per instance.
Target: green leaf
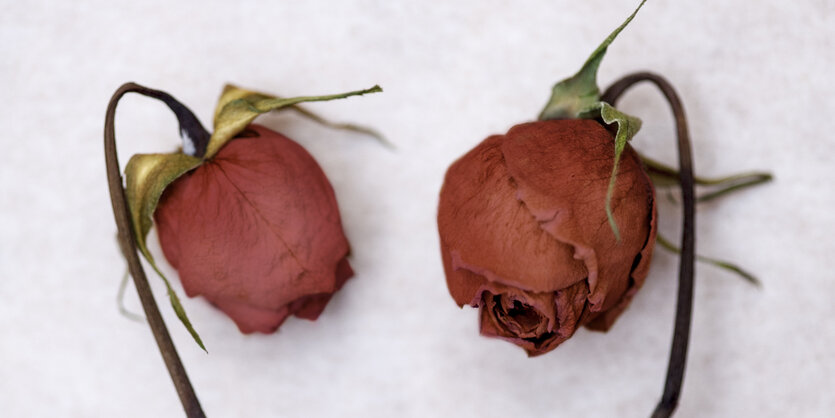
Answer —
(628, 126)
(578, 93)
(666, 176)
(146, 177)
(238, 107)
(669, 246)
(181, 313)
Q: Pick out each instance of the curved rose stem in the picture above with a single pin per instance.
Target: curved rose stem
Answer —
(127, 242)
(684, 306)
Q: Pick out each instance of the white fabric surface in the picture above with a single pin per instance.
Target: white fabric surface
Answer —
(755, 79)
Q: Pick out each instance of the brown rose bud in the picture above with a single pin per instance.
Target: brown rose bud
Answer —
(256, 231)
(525, 238)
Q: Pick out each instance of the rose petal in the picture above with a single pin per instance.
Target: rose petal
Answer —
(486, 230)
(251, 319)
(510, 298)
(562, 169)
(254, 229)
(570, 303)
(463, 284)
(311, 307)
(605, 320)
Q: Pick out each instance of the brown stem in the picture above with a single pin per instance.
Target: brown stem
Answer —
(127, 242)
(684, 306)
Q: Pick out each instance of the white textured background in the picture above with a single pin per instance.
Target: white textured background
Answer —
(756, 81)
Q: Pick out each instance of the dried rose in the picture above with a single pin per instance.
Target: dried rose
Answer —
(256, 231)
(525, 239)
(247, 217)
(530, 222)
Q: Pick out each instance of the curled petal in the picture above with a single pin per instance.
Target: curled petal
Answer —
(537, 322)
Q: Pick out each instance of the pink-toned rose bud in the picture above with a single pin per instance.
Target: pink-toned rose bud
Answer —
(525, 237)
(256, 231)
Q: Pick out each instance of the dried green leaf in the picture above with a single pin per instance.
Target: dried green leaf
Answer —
(232, 93)
(628, 126)
(146, 177)
(669, 246)
(666, 176)
(578, 93)
(238, 107)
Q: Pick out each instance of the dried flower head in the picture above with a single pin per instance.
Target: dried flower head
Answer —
(524, 236)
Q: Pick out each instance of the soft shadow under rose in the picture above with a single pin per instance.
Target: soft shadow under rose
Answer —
(525, 237)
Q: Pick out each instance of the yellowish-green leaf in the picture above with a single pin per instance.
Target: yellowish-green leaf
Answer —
(237, 108)
(232, 93)
(146, 177)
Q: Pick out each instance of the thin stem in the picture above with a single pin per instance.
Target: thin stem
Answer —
(684, 305)
(127, 242)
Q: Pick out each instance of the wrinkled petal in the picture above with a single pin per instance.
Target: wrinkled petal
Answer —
(463, 284)
(255, 229)
(562, 170)
(526, 319)
(523, 314)
(486, 230)
(571, 302)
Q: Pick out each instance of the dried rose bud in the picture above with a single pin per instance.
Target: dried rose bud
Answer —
(244, 214)
(256, 231)
(525, 238)
(552, 225)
